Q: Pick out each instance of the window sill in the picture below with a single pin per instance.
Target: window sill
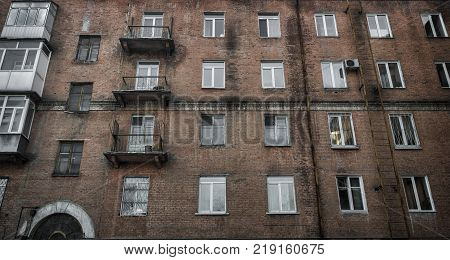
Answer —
(84, 62)
(76, 112)
(214, 37)
(354, 147)
(212, 214)
(408, 148)
(212, 146)
(275, 37)
(273, 88)
(437, 37)
(221, 88)
(269, 146)
(282, 213)
(393, 88)
(422, 211)
(382, 38)
(133, 216)
(65, 175)
(321, 36)
(335, 89)
(354, 212)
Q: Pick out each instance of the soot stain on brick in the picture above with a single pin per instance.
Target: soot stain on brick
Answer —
(294, 62)
(231, 46)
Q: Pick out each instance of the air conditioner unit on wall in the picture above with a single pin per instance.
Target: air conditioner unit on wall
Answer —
(352, 64)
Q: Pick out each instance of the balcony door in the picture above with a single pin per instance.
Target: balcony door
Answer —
(152, 26)
(141, 133)
(147, 75)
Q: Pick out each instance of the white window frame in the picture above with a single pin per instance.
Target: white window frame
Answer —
(218, 180)
(333, 80)
(447, 73)
(349, 194)
(287, 180)
(213, 17)
(288, 130)
(416, 196)
(416, 135)
(322, 16)
(154, 29)
(213, 127)
(433, 29)
(22, 119)
(378, 26)
(280, 65)
(134, 213)
(386, 64)
(341, 130)
(204, 66)
(27, 50)
(28, 14)
(268, 17)
(3, 185)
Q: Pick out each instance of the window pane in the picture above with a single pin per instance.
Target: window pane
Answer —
(409, 130)
(326, 75)
(274, 28)
(279, 78)
(343, 199)
(410, 193)
(285, 205)
(29, 63)
(427, 24)
(83, 53)
(320, 25)
(396, 129)
(220, 31)
(17, 119)
(441, 72)
(219, 197)
(41, 17)
(335, 133)
(267, 77)
(342, 182)
(329, 20)
(16, 101)
(63, 163)
(354, 182)
(208, 28)
(204, 200)
(94, 50)
(6, 120)
(13, 60)
(384, 76)
(32, 17)
(395, 75)
(357, 199)
(422, 192)
(207, 135)
(219, 74)
(21, 20)
(75, 165)
(348, 131)
(12, 16)
(273, 197)
(207, 77)
(338, 70)
(263, 28)
(384, 27)
(269, 136)
(372, 26)
(438, 26)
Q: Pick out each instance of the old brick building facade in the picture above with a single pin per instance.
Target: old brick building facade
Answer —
(224, 119)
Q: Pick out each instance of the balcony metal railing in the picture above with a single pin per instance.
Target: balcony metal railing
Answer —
(150, 83)
(149, 32)
(137, 143)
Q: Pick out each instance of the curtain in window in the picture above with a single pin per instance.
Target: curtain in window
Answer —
(329, 21)
(384, 27)
(409, 130)
(335, 133)
(347, 130)
(219, 197)
(326, 75)
(135, 196)
(320, 26)
(384, 76)
(397, 131)
(273, 195)
(372, 26)
(204, 201)
(274, 28)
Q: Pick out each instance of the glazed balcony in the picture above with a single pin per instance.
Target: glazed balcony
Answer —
(30, 20)
(148, 39)
(141, 89)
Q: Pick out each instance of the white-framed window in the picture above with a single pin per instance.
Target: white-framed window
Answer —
(3, 183)
(214, 25)
(15, 56)
(28, 14)
(342, 133)
(213, 130)
(152, 25)
(272, 74)
(351, 193)
(135, 196)
(379, 26)
(281, 195)
(390, 74)
(269, 25)
(326, 25)
(141, 133)
(404, 131)
(443, 69)
(213, 74)
(212, 195)
(333, 74)
(147, 75)
(418, 194)
(434, 25)
(16, 115)
(276, 130)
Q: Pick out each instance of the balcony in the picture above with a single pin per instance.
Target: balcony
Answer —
(139, 89)
(12, 147)
(136, 148)
(30, 20)
(23, 68)
(148, 39)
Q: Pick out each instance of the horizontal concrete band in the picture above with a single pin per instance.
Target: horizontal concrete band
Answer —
(262, 106)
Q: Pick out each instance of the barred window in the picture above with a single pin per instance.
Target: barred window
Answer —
(79, 97)
(69, 158)
(404, 131)
(88, 48)
(213, 130)
(135, 196)
(341, 130)
(27, 14)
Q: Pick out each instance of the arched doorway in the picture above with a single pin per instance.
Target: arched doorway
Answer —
(58, 227)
